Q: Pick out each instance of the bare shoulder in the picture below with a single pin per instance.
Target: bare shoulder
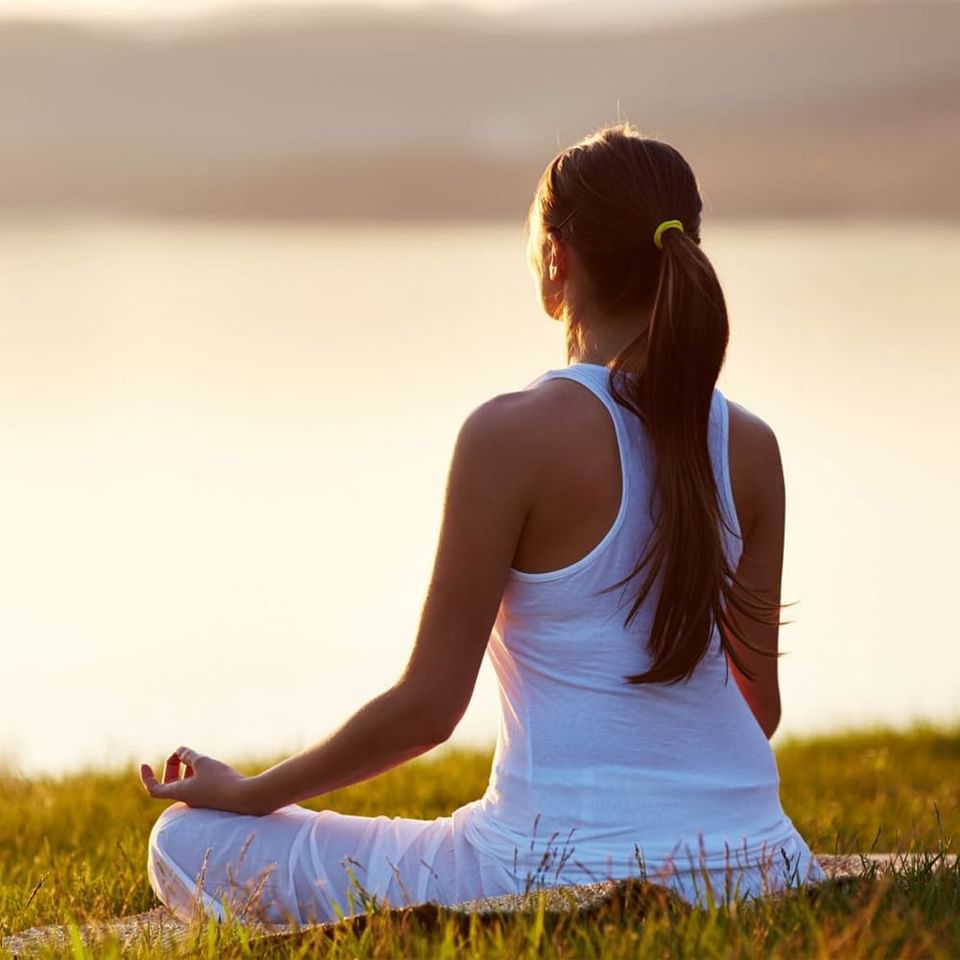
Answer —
(530, 421)
(501, 441)
(507, 419)
(756, 470)
(520, 442)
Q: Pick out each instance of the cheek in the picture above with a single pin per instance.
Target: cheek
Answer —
(533, 262)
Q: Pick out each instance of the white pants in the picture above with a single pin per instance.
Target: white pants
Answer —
(300, 866)
(294, 865)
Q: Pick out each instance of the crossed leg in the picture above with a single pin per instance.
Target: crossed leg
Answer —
(295, 865)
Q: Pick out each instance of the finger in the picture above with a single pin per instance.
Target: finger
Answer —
(189, 757)
(162, 791)
(147, 777)
(150, 782)
(171, 769)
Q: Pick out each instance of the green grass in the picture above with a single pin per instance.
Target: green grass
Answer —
(72, 850)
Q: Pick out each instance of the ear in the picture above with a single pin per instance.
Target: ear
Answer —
(556, 257)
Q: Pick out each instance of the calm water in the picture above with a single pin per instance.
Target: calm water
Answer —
(224, 452)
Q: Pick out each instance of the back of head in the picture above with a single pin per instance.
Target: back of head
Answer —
(615, 197)
(610, 191)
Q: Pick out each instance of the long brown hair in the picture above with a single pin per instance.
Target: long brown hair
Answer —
(606, 195)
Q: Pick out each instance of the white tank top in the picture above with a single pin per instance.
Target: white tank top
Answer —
(584, 759)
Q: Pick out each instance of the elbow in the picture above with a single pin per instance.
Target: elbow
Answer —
(433, 730)
(441, 724)
(427, 718)
(442, 733)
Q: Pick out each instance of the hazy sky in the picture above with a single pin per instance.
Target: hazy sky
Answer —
(156, 9)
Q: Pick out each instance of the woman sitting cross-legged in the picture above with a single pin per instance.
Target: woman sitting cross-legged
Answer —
(612, 539)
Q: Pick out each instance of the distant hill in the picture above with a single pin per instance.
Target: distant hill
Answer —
(844, 109)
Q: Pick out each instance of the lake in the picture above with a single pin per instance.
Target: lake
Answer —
(224, 450)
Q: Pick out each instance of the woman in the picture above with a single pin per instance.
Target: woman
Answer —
(612, 538)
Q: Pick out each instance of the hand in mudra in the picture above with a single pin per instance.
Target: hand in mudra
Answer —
(205, 783)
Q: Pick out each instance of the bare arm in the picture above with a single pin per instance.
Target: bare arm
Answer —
(757, 474)
(487, 498)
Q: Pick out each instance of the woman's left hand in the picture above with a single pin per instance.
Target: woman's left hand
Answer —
(206, 782)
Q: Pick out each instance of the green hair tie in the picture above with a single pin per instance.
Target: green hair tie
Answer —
(666, 225)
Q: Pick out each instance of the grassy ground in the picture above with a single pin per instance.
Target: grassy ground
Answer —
(73, 850)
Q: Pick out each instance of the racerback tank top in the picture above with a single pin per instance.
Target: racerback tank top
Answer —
(598, 770)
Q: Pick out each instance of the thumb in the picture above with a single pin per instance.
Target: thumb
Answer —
(153, 786)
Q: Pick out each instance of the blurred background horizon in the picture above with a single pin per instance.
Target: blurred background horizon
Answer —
(241, 248)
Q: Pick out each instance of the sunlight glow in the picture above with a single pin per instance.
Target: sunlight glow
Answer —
(133, 11)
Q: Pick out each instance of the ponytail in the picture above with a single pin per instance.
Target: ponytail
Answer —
(684, 345)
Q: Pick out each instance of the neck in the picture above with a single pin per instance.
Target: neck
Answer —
(599, 339)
